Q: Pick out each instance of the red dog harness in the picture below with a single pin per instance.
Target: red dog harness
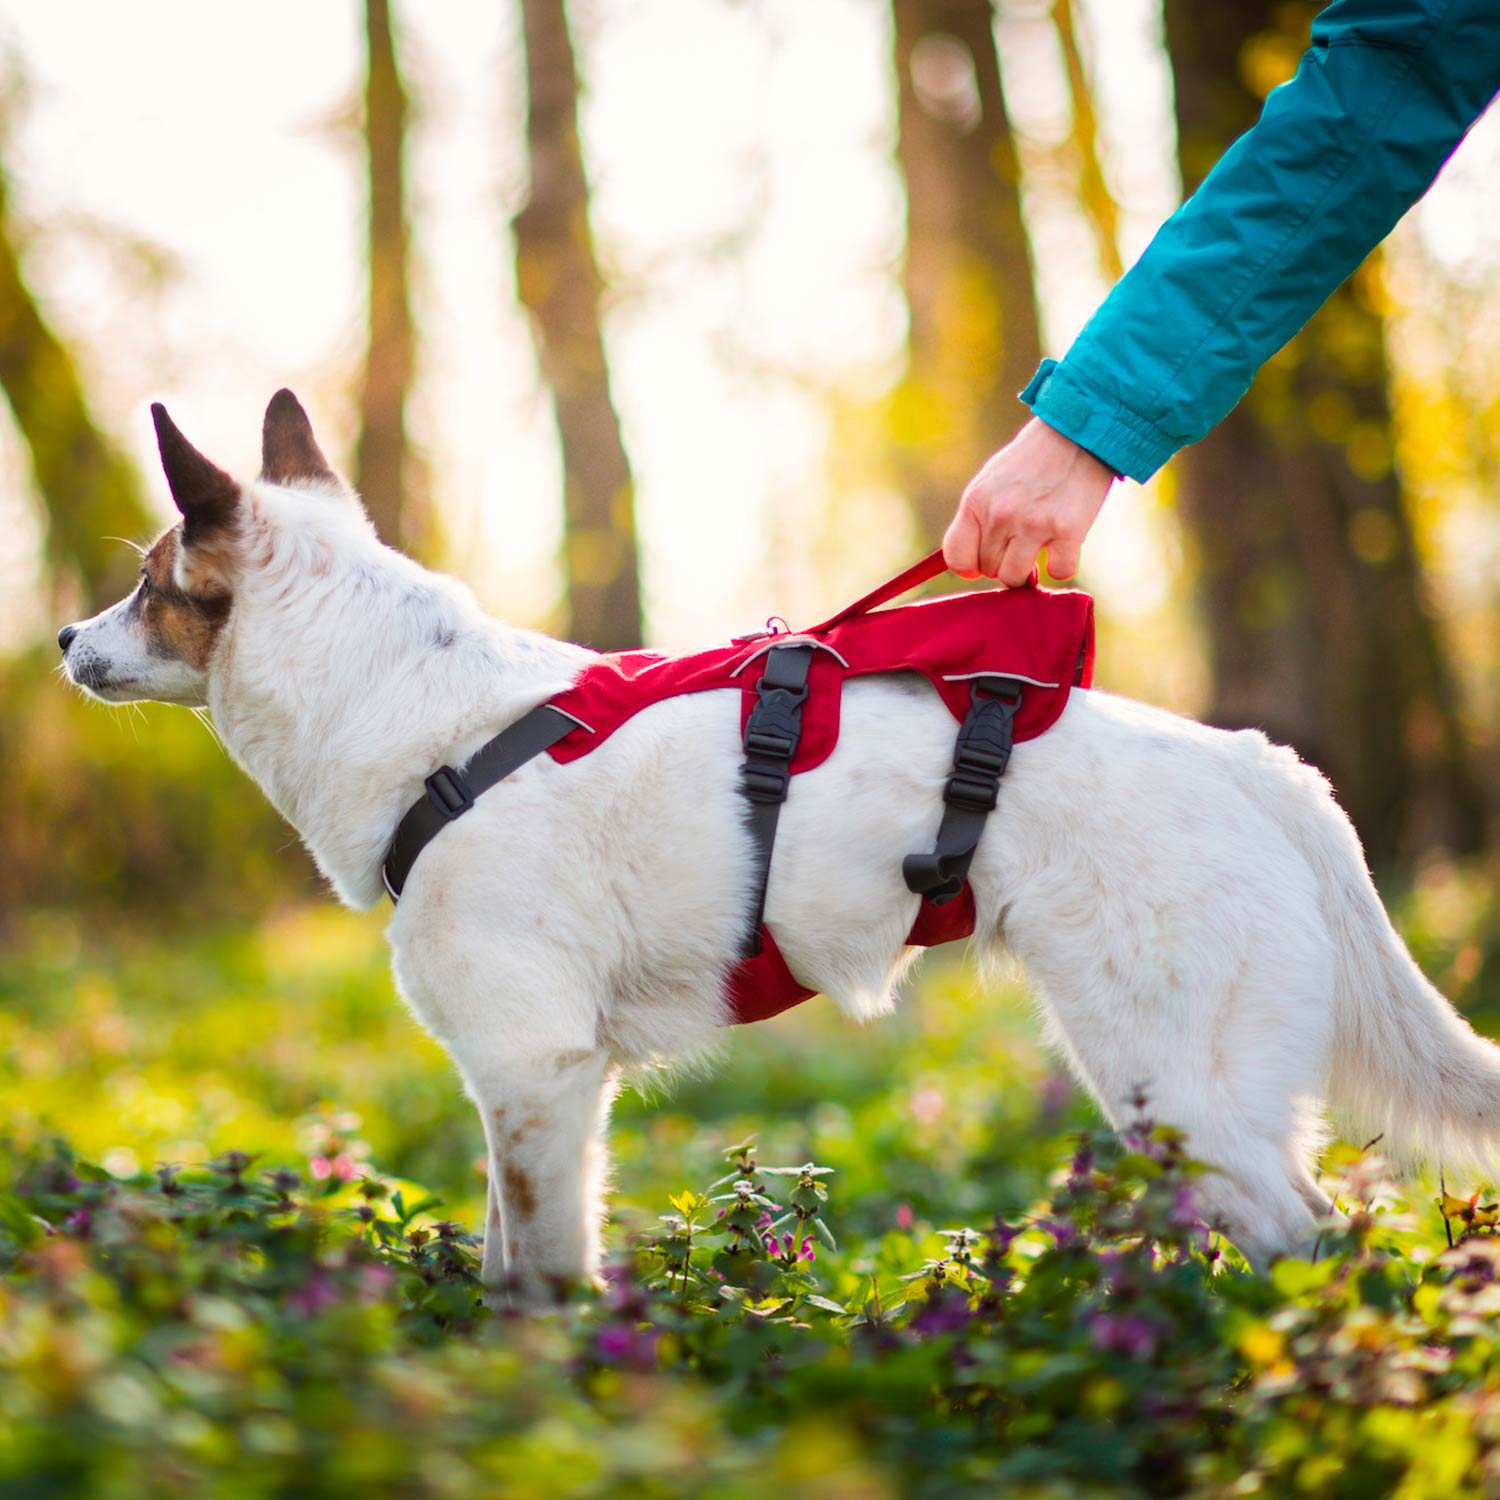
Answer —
(1002, 660)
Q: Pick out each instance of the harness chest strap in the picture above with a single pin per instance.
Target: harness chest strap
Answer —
(450, 794)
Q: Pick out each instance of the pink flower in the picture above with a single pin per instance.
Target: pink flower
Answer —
(342, 1166)
(904, 1219)
(927, 1106)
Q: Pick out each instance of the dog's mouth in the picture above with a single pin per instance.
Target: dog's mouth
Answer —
(94, 677)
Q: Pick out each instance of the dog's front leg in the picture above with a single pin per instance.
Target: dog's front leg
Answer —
(545, 1125)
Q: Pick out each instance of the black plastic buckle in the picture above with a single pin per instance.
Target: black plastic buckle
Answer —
(978, 760)
(767, 742)
(449, 793)
(978, 794)
(766, 783)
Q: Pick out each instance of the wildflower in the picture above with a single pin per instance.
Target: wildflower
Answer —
(1064, 1236)
(342, 1167)
(317, 1293)
(1126, 1334)
(1000, 1236)
(941, 1313)
(904, 1219)
(808, 1252)
(634, 1348)
(927, 1106)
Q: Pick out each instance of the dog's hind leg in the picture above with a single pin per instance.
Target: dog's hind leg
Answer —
(1183, 957)
(544, 1124)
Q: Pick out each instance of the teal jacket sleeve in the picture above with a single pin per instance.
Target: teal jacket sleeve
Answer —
(1383, 95)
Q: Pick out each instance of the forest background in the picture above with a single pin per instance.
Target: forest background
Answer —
(652, 318)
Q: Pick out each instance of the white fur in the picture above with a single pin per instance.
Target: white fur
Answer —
(1192, 905)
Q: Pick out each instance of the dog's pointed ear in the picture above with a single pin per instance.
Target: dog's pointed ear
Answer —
(203, 492)
(289, 453)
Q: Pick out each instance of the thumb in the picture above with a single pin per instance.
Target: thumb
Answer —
(1062, 558)
(961, 544)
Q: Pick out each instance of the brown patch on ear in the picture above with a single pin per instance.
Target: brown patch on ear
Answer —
(520, 1192)
(207, 497)
(289, 453)
(182, 623)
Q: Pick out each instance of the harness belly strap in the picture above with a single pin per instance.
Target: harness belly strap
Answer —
(772, 734)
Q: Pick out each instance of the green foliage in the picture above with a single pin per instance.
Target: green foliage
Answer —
(943, 1283)
(116, 827)
(248, 1330)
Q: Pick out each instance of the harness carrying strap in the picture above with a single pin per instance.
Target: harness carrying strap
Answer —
(980, 756)
(925, 571)
(450, 793)
(771, 734)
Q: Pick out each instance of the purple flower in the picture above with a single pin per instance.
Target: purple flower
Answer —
(942, 1313)
(79, 1221)
(1129, 1335)
(1063, 1235)
(317, 1293)
(808, 1252)
(1000, 1235)
(634, 1348)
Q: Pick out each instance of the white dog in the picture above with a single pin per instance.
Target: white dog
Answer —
(1191, 904)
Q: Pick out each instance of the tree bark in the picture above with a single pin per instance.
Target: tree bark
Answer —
(559, 283)
(1308, 574)
(90, 492)
(973, 341)
(1097, 200)
(382, 457)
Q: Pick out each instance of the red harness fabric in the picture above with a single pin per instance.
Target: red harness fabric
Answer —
(1043, 637)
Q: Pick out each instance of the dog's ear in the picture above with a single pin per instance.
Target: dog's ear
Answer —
(203, 492)
(289, 453)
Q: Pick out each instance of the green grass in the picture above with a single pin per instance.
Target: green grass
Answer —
(222, 1330)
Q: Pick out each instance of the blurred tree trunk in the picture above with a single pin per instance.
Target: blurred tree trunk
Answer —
(1098, 202)
(974, 340)
(558, 281)
(89, 491)
(1309, 578)
(382, 459)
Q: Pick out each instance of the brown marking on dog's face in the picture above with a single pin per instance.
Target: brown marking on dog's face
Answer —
(520, 1192)
(179, 623)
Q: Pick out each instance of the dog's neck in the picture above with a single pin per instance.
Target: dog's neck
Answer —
(340, 693)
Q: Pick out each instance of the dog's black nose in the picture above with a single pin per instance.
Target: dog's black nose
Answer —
(65, 637)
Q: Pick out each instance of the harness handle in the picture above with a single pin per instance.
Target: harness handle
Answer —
(920, 572)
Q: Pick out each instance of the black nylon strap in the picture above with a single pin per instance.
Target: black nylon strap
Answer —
(771, 735)
(450, 793)
(980, 756)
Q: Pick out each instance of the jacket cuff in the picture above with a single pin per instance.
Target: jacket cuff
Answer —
(1129, 444)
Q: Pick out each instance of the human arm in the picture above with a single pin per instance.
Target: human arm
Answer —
(1383, 95)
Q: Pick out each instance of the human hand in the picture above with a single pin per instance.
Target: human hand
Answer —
(1040, 490)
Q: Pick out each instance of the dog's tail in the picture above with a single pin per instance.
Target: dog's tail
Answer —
(1404, 1063)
